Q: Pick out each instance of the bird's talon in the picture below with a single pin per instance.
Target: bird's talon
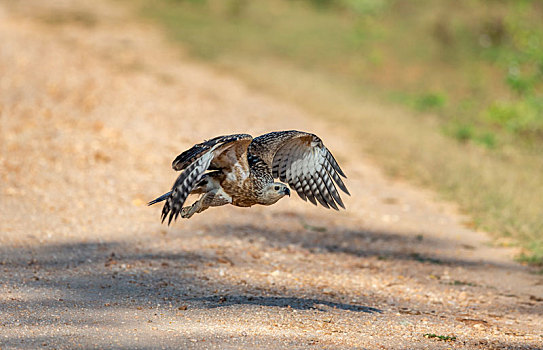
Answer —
(185, 212)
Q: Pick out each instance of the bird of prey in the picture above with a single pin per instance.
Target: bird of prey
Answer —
(239, 170)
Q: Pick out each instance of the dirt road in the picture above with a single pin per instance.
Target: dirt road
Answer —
(94, 105)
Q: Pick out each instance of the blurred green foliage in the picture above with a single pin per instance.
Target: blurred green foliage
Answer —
(430, 101)
(471, 62)
(464, 133)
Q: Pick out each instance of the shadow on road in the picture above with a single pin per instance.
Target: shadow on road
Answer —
(385, 245)
(288, 302)
(72, 283)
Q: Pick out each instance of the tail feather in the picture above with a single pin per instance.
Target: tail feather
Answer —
(160, 199)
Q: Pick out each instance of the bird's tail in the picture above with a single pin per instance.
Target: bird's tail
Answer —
(160, 199)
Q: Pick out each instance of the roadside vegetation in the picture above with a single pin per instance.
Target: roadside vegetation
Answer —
(461, 82)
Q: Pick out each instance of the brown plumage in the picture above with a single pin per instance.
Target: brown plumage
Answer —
(239, 170)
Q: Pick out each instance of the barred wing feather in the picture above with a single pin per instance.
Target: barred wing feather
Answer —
(187, 157)
(310, 169)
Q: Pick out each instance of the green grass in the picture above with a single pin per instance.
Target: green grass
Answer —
(445, 93)
(439, 337)
(469, 62)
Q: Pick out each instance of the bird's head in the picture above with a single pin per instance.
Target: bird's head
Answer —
(274, 192)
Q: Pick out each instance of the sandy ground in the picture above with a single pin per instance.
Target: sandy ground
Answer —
(94, 106)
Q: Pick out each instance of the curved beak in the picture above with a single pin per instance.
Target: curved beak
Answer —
(287, 191)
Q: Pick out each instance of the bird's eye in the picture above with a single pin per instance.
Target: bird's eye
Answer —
(276, 188)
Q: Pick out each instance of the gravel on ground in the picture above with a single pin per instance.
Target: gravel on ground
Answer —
(94, 106)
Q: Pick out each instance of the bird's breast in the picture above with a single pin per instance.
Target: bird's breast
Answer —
(243, 193)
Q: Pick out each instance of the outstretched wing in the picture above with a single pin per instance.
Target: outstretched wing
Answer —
(220, 153)
(301, 160)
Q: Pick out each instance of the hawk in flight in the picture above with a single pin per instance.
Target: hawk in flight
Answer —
(239, 170)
